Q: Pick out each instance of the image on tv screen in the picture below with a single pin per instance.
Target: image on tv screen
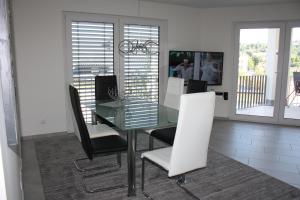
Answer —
(197, 65)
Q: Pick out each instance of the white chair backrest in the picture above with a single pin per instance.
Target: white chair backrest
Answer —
(193, 133)
(174, 91)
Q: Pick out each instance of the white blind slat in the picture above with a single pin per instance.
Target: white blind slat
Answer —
(141, 70)
(92, 55)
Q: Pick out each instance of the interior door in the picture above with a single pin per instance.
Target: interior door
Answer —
(258, 62)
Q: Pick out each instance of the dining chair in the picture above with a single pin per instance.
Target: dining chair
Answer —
(195, 86)
(296, 90)
(189, 151)
(167, 135)
(102, 86)
(107, 142)
(175, 89)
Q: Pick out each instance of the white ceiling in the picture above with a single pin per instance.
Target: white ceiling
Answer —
(222, 3)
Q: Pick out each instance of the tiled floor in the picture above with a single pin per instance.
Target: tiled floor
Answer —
(272, 149)
(291, 112)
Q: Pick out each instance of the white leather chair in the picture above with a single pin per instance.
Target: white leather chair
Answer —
(95, 130)
(175, 89)
(100, 130)
(189, 151)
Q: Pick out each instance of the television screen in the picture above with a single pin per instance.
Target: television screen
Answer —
(197, 65)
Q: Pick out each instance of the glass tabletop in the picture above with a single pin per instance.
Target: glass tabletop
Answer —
(134, 114)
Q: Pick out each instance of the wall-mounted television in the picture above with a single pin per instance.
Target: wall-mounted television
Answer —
(197, 65)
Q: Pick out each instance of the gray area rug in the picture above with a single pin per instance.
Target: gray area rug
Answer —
(223, 178)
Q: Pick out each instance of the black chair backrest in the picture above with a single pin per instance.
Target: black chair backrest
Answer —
(296, 76)
(83, 131)
(195, 86)
(103, 84)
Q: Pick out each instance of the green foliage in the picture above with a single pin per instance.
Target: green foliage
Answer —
(251, 65)
(295, 55)
(256, 57)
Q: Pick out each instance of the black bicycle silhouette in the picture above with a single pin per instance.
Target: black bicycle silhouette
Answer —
(133, 46)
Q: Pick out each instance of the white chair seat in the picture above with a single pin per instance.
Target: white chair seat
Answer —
(160, 156)
(148, 131)
(100, 130)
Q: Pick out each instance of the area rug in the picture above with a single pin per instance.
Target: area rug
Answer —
(223, 178)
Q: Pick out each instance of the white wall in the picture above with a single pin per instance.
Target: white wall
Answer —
(39, 34)
(217, 35)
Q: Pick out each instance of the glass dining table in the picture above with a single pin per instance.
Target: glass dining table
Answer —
(130, 116)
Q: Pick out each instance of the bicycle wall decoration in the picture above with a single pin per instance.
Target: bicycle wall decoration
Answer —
(134, 46)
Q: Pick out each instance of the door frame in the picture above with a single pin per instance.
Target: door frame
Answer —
(281, 49)
(288, 35)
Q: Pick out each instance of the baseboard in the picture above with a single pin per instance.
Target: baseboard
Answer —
(222, 118)
(32, 137)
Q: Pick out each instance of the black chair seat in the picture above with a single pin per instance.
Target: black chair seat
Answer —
(195, 86)
(108, 144)
(104, 121)
(166, 135)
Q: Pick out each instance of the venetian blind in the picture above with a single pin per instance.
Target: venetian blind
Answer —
(141, 69)
(92, 55)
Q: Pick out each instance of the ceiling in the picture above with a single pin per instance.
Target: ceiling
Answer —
(222, 3)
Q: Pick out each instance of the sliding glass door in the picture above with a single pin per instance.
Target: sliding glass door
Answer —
(257, 61)
(290, 99)
(267, 61)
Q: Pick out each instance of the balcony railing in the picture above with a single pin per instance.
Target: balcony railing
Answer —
(251, 91)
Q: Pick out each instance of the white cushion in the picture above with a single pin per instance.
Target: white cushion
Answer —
(100, 130)
(160, 156)
(149, 131)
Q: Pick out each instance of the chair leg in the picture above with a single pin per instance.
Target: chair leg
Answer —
(180, 182)
(143, 181)
(143, 173)
(135, 140)
(94, 190)
(151, 142)
(84, 177)
(119, 159)
(82, 169)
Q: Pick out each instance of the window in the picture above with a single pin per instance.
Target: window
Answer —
(92, 54)
(92, 49)
(141, 69)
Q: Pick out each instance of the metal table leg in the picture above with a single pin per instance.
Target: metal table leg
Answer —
(94, 118)
(131, 137)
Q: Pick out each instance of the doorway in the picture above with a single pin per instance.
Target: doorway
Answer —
(267, 61)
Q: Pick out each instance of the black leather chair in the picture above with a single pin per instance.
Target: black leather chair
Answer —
(195, 86)
(103, 84)
(110, 144)
(165, 135)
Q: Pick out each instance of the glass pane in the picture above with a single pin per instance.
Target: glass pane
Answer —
(257, 71)
(137, 114)
(141, 42)
(92, 55)
(292, 108)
